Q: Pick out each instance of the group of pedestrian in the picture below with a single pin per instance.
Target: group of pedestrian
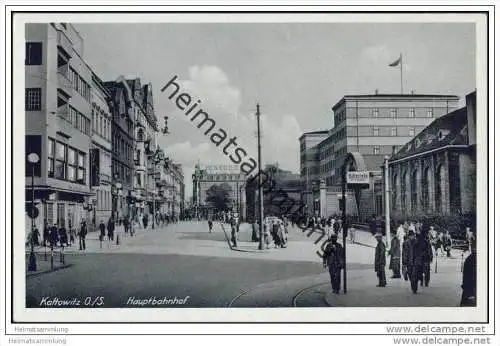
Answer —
(276, 231)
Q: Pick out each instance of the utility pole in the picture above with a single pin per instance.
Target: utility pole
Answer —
(261, 197)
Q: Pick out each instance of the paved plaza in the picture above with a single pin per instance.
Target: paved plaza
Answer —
(184, 259)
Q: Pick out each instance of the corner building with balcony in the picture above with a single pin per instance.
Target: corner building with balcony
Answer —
(58, 124)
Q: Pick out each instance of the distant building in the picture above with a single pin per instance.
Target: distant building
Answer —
(435, 173)
(282, 193)
(206, 176)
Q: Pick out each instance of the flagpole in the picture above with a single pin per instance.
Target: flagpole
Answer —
(401, 67)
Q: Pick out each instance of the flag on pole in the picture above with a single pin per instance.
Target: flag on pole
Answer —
(396, 63)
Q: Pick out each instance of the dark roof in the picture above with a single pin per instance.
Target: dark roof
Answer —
(450, 129)
(382, 96)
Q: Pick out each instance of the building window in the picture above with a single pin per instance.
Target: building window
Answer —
(33, 99)
(81, 168)
(394, 131)
(430, 113)
(49, 214)
(425, 190)
(412, 113)
(33, 53)
(72, 164)
(403, 192)
(394, 190)
(50, 157)
(60, 164)
(376, 149)
(411, 132)
(438, 188)
(413, 188)
(376, 131)
(61, 217)
(375, 112)
(394, 112)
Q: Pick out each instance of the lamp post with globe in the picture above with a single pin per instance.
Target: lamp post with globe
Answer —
(33, 158)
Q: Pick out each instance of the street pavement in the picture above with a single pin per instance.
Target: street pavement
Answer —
(184, 259)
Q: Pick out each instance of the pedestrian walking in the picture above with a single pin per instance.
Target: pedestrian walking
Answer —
(111, 229)
(333, 257)
(232, 222)
(72, 233)
(380, 260)
(405, 257)
(126, 225)
(373, 225)
(102, 230)
(63, 236)
(210, 225)
(54, 237)
(418, 250)
(255, 226)
(395, 253)
(426, 259)
(82, 234)
(46, 232)
(469, 276)
(36, 237)
(447, 243)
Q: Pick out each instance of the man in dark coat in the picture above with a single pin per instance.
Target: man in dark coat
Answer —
(111, 229)
(405, 255)
(63, 236)
(469, 277)
(418, 250)
(82, 234)
(373, 225)
(333, 257)
(380, 260)
(102, 229)
(232, 222)
(53, 236)
(427, 259)
(395, 252)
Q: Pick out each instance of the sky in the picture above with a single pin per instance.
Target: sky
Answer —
(295, 71)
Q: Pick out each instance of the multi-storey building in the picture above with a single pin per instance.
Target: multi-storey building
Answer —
(58, 123)
(146, 129)
(122, 134)
(378, 125)
(101, 151)
(366, 128)
(310, 164)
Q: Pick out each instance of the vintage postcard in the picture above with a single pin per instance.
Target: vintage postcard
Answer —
(272, 167)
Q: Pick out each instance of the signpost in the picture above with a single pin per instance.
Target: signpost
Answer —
(358, 178)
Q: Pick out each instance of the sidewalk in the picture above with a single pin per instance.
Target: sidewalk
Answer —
(444, 290)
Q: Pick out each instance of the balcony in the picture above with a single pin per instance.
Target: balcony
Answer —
(64, 44)
(64, 85)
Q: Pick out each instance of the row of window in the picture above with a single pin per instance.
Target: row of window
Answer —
(122, 147)
(100, 123)
(79, 84)
(103, 200)
(65, 162)
(122, 172)
(393, 113)
(79, 121)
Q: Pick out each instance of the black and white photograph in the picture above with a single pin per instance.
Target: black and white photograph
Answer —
(269, 167)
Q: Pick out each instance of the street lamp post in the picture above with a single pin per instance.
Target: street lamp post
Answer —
(261, 192)
(33, 158)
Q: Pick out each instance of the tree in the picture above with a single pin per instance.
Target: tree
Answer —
(219, 196)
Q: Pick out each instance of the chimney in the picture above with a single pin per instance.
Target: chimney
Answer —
(470, 103)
